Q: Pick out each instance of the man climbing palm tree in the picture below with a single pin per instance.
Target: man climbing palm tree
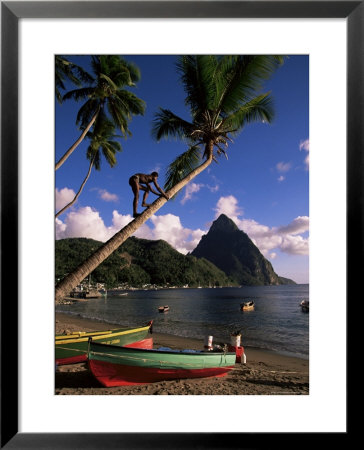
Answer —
(223, 94)
(142, 181)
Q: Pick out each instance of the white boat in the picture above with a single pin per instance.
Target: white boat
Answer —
(305, 304)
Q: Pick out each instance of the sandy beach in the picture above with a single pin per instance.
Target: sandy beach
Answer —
(265, 373)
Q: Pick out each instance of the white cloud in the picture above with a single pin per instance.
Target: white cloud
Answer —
(281, 178)
(283, 167)
(107, 196)
(86, 222)
(170, 229)
(285, 238)
(63, 197)
(295, 245)
(305, 145)
(213, 188)
(191, 189)
(228, 206)
(298, 226)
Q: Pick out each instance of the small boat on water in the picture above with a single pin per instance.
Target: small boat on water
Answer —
(119, 366)
(163, 309)
(72, 348)
(305, 304)
(247, 306)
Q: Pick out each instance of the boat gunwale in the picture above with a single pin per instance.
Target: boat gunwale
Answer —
(157, 351)
(101, 336)
(82, 334)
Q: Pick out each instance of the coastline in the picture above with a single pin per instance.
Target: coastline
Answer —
(265, 372)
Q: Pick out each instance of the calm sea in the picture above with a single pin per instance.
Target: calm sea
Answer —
(276, 324)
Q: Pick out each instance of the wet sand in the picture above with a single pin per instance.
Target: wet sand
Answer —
(265, 373)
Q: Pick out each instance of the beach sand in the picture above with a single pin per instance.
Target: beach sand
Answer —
(265, 373)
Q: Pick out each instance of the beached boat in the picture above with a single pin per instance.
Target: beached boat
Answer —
(305, 304)
(163, 309)
(72, 348)
(120, 366)
(247, 306)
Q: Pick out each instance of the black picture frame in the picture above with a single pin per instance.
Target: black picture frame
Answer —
(11, 13)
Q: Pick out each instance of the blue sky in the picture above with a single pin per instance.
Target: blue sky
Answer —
(263, 186)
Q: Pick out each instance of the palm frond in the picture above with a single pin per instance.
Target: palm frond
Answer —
(166, 125)
(102, 138)
(67, 70)
(197, 75)
(86, 112)
(133, 71)
(241, 77)
(130, 102)
(79, 94)
(182, 166)
(259, 109)
(109, 81)
(118, 118)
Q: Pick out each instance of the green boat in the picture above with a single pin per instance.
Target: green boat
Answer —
(72, 348)
(121, 366)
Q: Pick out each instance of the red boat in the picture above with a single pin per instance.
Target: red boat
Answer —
(120, 366)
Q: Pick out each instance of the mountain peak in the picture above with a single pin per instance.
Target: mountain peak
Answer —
(232, 251)
(223, 223)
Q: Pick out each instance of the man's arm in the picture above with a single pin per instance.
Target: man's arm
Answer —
(160, 190)
(152, 190)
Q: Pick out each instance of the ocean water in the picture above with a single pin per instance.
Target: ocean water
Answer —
(277, 322)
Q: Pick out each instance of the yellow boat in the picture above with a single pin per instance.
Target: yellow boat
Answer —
(72, 348)
(247, 306)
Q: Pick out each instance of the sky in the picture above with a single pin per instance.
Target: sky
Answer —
(263, 185)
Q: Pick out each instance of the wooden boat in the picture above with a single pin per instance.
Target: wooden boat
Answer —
(163, 309)
(72, 348)
(247, 306)
(120, 366)
(305, 304)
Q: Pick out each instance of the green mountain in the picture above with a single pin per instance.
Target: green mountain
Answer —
(139, 262)
(232, 251)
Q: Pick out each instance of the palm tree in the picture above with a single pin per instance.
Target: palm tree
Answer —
(223, 95)
(102, 138)
(106, 96)
(67, 70)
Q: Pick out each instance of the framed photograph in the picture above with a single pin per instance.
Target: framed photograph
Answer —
(329, 37)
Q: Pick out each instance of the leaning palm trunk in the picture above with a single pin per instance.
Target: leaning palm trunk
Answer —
(84, 269)
(79, 191)
(78, 142)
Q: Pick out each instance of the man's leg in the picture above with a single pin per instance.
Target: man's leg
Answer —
(135, 187)
(145, 196)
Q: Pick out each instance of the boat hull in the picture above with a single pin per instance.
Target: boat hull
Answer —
(73, 350)
(118, 366)
(111, 375)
